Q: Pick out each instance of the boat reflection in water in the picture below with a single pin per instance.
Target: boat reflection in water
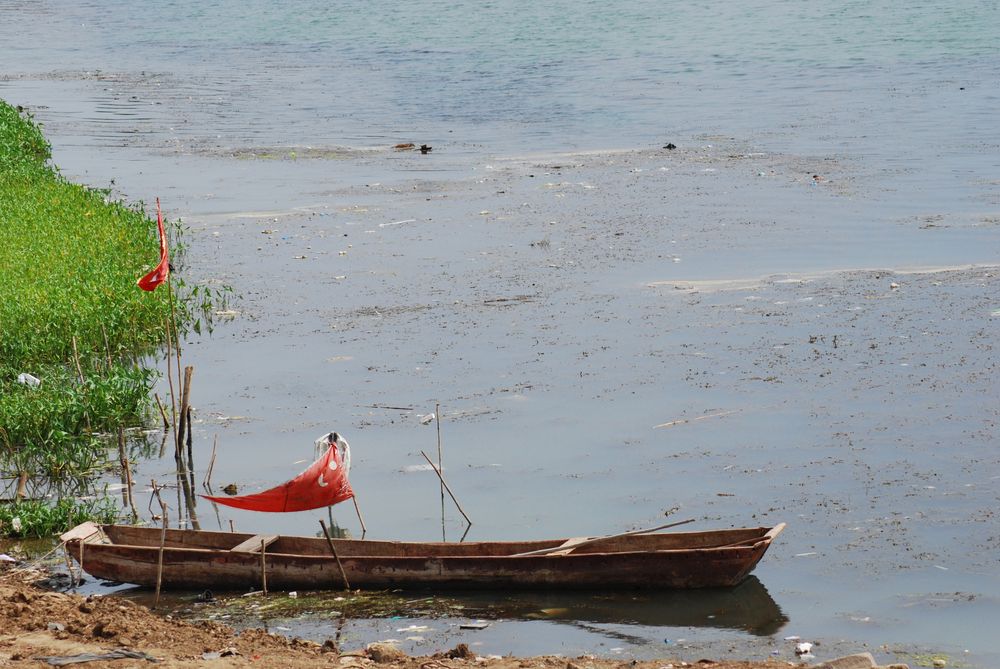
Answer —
(747, 607)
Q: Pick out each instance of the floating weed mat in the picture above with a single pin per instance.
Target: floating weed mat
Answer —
(69, 260)
(354, 604)
(75, 329)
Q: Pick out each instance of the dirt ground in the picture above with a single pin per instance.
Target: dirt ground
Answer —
(41, 624)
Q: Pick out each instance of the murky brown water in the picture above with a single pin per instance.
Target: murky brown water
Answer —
(611, 335)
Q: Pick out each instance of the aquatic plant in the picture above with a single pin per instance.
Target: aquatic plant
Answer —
(37, 518)
(54, 430)
(71, 314)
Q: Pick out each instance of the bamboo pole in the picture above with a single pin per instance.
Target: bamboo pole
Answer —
(445, 484)
(329, 542)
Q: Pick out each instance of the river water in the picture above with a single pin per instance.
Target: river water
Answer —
(792, 316)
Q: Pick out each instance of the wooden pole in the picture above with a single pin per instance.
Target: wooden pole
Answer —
(185, 399)
(80, 559)
(163, 542)
(69, 566)
(263, 566)
(190, 449)
(445, 484)
(329, 542)
(126, 473)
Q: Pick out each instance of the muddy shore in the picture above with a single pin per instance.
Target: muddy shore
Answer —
(43, 628)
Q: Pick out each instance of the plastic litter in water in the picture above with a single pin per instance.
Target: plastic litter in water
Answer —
(29, 380)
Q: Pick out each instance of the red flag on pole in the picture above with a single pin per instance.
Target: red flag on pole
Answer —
(160, 272)
(324, 483)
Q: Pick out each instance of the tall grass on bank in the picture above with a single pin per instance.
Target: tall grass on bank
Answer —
(71, 313)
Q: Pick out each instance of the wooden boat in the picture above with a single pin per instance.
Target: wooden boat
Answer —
(223, 560)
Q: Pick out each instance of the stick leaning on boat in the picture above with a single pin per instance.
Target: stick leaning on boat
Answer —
(572, 544)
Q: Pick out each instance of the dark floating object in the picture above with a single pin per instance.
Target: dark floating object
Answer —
(230, 489)
(670, 146)
(424, 148)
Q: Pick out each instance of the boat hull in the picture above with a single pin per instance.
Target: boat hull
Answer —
(192, 559)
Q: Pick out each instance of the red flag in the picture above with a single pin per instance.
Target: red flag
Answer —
(160, 272)
(324, 483)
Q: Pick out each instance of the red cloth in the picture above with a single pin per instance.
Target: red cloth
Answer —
(324, 483)
(160, 272)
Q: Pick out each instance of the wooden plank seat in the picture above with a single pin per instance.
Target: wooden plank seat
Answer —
(254, 543)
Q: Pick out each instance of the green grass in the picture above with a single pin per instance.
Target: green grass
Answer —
(69, 261)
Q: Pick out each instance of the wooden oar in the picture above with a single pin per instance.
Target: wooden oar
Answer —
(556, 549)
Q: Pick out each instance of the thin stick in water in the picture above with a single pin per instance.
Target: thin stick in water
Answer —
(445, 484)
(76, 359)
(364, 530)
(170, 377)
(211, 463)
(437, 420)
(127, 473)
(107, 346)
(163, 412)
